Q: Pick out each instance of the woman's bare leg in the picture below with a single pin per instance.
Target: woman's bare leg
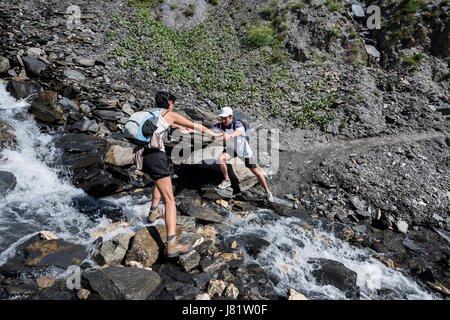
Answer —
(164, 186)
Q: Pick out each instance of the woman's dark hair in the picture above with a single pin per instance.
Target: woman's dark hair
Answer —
(162, 99)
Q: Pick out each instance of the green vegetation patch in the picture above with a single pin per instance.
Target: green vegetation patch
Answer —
(316, 113)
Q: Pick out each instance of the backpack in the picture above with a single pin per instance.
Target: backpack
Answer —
(246, 126)
(140, 127)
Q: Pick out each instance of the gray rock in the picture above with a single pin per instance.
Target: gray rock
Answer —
(252, 243)
(119, 156)
(371, 50)
(358, 11)
(4, 65)
(203, 214)
(83, 61)
(112, 252)
(402, 226)
(33, 66)
(330, 272)
(119, 283)
(109, 115)
(22, 89)
(190, 260)
(74, 75)
(212, 264)
(34, 52)
(68, 104)
(88, 125)
(109, 103)
(79, 143)
(7, 182)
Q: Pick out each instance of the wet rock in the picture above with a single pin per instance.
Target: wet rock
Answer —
(202, 279)
(120, 283)
(22, 89)
(7, 138)
(112, 252)
(95, 209)
(231, 291)
(294, 295)
(119, 156)
(4, 65)
(33, 66)
(252, 243)
(46, 107)
(83, 294)
(330, 272)
(36, 254)
(148, 244)
(212, 264)
(202, 214)
(7, 182)
(190, 260)
(216, 287)
(45, 282)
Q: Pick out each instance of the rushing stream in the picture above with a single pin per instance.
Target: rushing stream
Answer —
(42, 200)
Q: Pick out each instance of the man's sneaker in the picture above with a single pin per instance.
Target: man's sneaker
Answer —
(224, 184)
(269, 197)
(173, 248)
(155, 214)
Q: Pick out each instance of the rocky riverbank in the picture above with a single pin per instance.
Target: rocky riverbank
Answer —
(368, 159)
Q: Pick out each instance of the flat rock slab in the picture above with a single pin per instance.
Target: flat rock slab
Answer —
(203, 214)
(79, 142)
(119, 283)
(59, 253)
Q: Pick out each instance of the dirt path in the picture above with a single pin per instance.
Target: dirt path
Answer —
(298, 166)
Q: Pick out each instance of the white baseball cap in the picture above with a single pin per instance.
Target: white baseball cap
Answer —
(225, 112)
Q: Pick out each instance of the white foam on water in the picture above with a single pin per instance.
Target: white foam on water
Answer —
(288, 260)
(40, 200)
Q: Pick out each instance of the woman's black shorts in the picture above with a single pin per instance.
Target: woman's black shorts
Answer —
(156, 164)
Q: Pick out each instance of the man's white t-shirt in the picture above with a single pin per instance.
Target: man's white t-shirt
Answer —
(239, 144)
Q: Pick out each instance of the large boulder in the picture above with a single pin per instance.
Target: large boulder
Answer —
(22, 89)
(7, 182)
(38, 253)
(252, 243)
(148, 245)
(119, 283)
(330, 272)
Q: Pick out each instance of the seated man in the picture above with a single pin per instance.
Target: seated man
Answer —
(237, 145)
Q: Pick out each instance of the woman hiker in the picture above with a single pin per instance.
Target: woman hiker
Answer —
(156, 165)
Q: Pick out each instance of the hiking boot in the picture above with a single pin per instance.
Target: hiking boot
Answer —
(155, 214)
(224, 184)
(173, 248)
(269, 197)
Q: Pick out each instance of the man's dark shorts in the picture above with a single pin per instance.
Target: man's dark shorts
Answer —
(249, 162)
(156, 164)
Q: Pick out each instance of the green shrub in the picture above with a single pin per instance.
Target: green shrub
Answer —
(214, 2)
(260, 36)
